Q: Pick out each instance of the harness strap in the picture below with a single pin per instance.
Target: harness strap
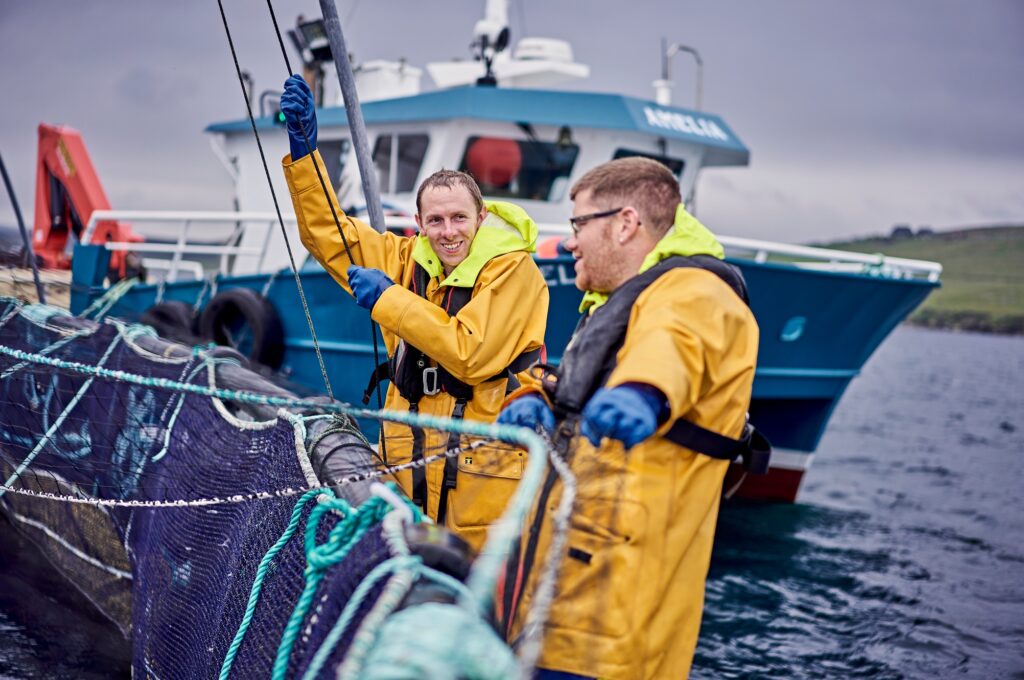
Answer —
(379, 375)
(451, 465)
(520, 563)
(419, 474)
(522, 362)
(752, 446)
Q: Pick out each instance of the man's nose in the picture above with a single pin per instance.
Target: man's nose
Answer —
(571, 243)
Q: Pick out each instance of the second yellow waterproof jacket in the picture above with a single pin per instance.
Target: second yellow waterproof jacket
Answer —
(504, 318)
(630, 589)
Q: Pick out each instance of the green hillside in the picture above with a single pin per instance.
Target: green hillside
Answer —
(982, 276)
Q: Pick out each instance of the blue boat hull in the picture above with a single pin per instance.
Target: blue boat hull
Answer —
(817, 330)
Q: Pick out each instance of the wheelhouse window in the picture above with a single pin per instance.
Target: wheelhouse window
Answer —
(334, 152)
(676, 165)
(514, 168)
(398, 159)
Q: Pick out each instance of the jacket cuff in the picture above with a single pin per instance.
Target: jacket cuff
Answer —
(665, 417)
(524, 391)
(301, 173)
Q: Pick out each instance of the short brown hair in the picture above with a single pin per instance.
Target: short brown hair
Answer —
(449, 179)
(646, 184)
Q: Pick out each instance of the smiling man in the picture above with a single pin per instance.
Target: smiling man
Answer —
(450, 304)
(651, 398)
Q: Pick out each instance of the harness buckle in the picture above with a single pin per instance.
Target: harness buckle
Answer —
(431, 384)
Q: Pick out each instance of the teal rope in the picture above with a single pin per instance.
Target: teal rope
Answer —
(319, 558)
(103, 304)
(49, 349)
(397, 564)
(506, 433)
(261, 572)
(58, 422)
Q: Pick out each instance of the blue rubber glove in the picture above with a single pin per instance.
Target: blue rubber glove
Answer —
(628, 413)
(297, 107)
(528, 411)
(367, 285)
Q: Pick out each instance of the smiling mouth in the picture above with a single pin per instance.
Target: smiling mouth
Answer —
(451, 247)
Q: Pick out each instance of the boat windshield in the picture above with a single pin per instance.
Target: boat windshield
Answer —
(676, 165)
(398, 159)
(334, 152)
(516, 168)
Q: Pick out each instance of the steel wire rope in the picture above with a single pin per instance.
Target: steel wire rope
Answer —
(334, 213)
(277, 208)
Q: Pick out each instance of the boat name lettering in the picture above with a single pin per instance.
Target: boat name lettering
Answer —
(684, 123)
(558, 275)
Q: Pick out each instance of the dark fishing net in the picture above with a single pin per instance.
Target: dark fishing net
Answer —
(160, 504)
(161, 501)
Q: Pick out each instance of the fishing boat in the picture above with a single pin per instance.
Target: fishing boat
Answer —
(499, 117)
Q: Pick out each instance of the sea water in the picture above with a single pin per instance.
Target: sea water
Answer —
(903, 559)
(905, 556)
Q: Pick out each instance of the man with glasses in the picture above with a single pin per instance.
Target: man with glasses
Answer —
(650, 402)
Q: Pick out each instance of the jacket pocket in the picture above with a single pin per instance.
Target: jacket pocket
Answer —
(487, 478)
(597, 585)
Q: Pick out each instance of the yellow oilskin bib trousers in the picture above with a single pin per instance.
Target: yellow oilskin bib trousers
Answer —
(504, 318)
(630, 590)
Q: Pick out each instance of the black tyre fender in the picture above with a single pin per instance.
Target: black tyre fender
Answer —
(173, 320)
(239, 311)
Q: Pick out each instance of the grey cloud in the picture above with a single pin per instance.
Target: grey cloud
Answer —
(857, 114)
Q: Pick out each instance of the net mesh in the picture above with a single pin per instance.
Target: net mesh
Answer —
(162, 479)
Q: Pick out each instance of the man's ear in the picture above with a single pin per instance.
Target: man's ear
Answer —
(482, 216)
(419, 223)
(630, 224)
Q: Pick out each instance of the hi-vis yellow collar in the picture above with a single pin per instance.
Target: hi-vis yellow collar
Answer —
(686, 237)
(506, 229)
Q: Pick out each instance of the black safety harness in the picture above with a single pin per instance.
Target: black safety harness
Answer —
(585, 367)
(590, 358)
(412, 374)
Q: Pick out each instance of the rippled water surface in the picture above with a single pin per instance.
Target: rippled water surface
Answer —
(903, 559)
(905, 555)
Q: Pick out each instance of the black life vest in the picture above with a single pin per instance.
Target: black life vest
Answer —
(409, 367)
(590, 358)
(410, 371)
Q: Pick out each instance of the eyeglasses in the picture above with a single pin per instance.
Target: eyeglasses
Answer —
(576, 223)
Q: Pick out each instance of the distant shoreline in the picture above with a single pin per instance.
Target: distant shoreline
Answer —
(972, 322)
(982, 275)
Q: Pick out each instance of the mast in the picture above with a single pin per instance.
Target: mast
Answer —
(367, 174)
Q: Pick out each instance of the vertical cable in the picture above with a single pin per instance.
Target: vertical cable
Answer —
(277, 208)
(334, 214)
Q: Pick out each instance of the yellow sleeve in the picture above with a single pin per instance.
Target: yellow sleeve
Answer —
(687, 329)
(387, 252)
(505, 317)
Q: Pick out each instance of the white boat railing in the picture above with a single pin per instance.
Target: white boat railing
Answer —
(809, 257)
(177, 252)
(183, 246)
(834, 260)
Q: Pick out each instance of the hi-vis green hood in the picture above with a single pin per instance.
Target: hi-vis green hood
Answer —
(506, 229)
(686, 237)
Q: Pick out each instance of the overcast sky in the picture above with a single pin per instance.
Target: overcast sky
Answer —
(858, 114)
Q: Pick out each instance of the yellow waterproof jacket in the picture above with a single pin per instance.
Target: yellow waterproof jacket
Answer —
(630, 590)
(505, 317)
